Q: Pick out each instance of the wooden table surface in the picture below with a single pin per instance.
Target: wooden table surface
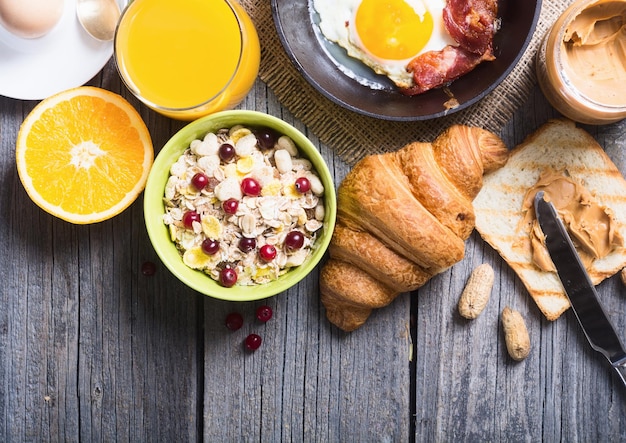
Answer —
(93, 350)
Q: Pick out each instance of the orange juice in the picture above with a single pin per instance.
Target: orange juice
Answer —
(187, 58)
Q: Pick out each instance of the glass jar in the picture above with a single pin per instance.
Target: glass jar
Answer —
(584, 83)
(188, 58)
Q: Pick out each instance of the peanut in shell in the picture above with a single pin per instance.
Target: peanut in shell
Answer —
(515, 334)
(477, 292)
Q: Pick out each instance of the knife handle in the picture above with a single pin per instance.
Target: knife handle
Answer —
(621, 370)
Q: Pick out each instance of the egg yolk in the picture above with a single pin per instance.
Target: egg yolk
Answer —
(392, 29)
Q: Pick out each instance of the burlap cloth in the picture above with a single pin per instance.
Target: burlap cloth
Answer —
(352, 135)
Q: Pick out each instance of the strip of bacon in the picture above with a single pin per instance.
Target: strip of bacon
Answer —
(436, 68)
(472, 24)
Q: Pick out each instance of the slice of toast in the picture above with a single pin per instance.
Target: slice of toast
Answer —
(559, 145)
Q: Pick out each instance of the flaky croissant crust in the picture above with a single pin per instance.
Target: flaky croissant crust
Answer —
(402, 218)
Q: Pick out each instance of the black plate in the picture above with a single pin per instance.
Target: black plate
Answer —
(323, 64)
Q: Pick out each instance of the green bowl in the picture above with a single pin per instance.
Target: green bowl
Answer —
(159, 233)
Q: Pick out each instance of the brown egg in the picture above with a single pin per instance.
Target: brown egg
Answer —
(30, 18)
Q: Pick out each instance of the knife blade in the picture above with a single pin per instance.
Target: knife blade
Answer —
(579, 289)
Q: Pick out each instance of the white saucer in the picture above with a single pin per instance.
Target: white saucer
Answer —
(66, 57)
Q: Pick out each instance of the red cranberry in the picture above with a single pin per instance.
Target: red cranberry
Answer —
(230, 206)
(148, 269)
(294, 240)
(234, 321)
(228, 277)
(267, 252)
(247, 244)
(199, 181)
(210, 247)
(250, 186)
(303, 185)
(189, 218)
(264, 313)
(252, 342)
(266, 137)
(226, 152)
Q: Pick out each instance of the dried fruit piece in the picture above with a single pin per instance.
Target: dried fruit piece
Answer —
(266, 137)
(245, 164)
(264, 313)
(294, 240)
(230, 206)
(250, 186)
(267, 252)
(199, 181)
(252, 342)
(189, 217)
(515, 334)
(477, 292)
(211, 227)
(247, 244)
(303, 185)
(228, 277)
(226, 152)
(234, 321)
(196, 258)
(272, 188)
(210, 247)
(148, 268)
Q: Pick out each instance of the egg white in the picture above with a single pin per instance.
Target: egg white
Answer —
(337, 24)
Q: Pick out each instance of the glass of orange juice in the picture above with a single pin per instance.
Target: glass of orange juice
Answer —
(187, 58)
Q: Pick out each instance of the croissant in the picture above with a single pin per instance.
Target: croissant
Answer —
(402, 218)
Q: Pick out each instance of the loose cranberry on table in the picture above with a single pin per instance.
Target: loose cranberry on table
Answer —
(264, 313)
(230, 206)
(294, 240)
(267, 253)
(228, 277)
(303, 185)
(189, 217)
(250, 187)
(252, 342)
(148, 268)
(234, 321)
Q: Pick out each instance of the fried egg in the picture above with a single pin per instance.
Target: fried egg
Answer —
(385, 34)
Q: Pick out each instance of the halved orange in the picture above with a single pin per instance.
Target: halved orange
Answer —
(84, 154)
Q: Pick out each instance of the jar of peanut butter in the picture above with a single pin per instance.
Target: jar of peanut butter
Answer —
(581, 63)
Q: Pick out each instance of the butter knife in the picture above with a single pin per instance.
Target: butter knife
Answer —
(580, 290)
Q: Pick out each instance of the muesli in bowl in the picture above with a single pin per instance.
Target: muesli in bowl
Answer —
(243, 206)
(246, 206)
